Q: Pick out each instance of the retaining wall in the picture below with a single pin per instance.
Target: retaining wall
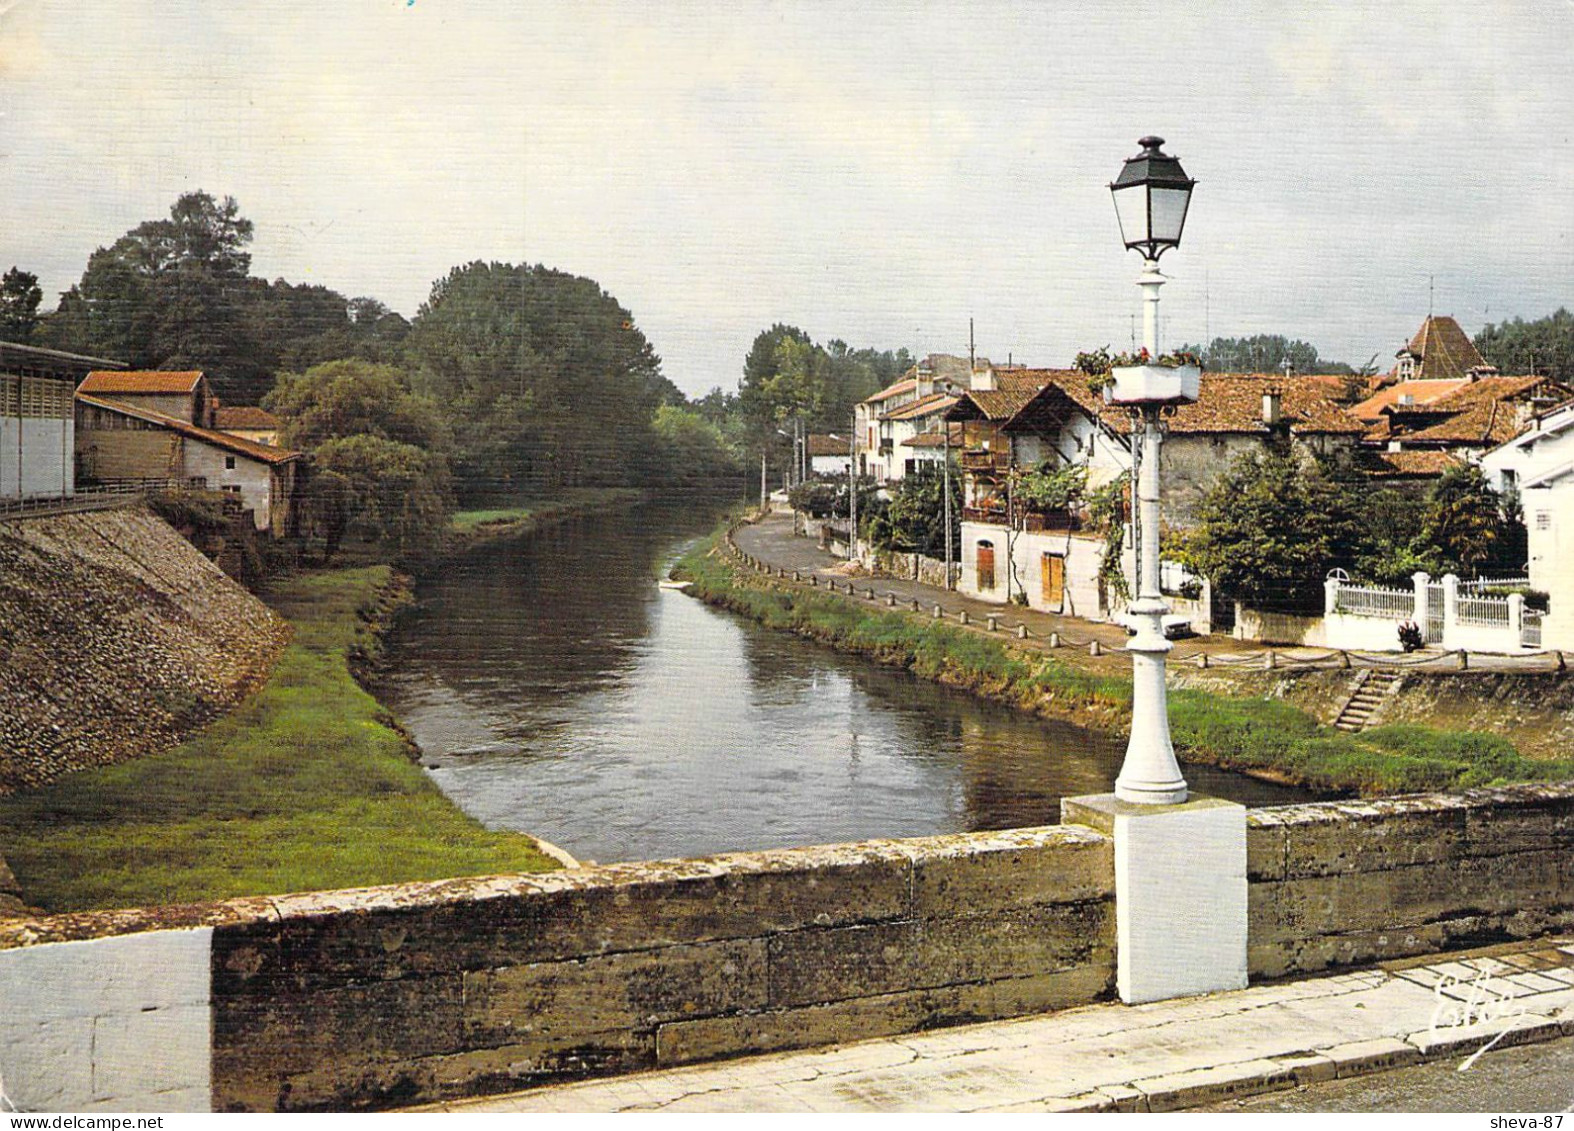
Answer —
(402, 994)
(116, 637)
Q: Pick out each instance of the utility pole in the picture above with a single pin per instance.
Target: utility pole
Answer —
(762, 480)
(852, 488)
(946, 494)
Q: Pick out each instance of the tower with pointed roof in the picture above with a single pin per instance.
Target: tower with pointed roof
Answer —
(1440, 350)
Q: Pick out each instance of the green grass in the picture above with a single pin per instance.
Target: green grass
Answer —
(535, 510)
(305, 786)
(1263, 735)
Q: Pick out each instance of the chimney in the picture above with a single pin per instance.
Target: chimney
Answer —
(1272, 403)
(983, 379)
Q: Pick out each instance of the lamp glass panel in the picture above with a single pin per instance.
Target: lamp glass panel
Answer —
(1131, 206)
(1169, 213)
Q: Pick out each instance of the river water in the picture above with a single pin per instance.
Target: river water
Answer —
(555, 689)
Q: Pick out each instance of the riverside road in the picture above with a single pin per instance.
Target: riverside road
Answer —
(772, 542)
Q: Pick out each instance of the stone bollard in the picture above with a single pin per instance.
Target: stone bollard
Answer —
(1344, 659)
(994, 624)
(870, 594)
(1270, 661)
(1021, 632)
(1094, 649)
(890, 600)
(1202, 659)
(961, 617)
(915, 604)
(1054, 640)
(814, 581)
(938, 612)
(1464, 659)
(795, 576)
(1562, 667)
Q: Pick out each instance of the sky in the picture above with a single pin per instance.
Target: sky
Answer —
(877, 172)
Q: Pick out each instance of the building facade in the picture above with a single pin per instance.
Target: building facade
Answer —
(37, 421)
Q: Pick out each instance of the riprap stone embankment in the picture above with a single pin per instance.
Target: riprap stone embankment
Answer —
(116, 639)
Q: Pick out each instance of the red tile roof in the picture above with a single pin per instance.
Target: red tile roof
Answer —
(1487, 411)
(1408, 465)
(1445, 350)
(935, 438)
(245, 416)
(905, 385)
(1420, 392)
(263, 453)
(109, 383)
(937, 402)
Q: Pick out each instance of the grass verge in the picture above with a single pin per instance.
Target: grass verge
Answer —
(530, 514)
(1262, 736)
(305, 786)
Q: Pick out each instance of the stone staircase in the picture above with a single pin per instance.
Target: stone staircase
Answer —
(1372, 687)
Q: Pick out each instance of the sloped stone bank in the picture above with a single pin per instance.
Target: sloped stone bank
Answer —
(116, 639)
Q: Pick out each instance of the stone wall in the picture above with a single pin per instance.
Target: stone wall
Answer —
(1344, 883)
(116, 637)
(401, 994)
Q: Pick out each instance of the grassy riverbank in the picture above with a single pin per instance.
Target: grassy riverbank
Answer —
(305, 786)
(1263, 736)
(467, 527)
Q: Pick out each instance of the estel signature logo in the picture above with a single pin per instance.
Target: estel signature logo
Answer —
(1481, 1006)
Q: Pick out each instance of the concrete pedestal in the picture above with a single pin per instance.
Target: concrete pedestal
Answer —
(1180, 893)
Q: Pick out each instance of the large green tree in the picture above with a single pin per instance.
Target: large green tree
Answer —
(19, 299)
(1269, 529)
(379, 454)
(1545, 345)
(546, 378)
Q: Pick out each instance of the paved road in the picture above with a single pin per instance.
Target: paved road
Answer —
(772, 541)
(1535, 1078)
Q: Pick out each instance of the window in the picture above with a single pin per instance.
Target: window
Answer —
(231, 489)
(229, 463)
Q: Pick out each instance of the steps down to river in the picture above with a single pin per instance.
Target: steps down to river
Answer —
(1372, 689)
(116, 639)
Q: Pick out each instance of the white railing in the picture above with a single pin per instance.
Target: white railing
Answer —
(1480, 584)
(1530, 629)
(1390, 604)
(1490, 612)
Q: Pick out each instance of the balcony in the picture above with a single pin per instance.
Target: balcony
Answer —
(1031, 522)
(986, 463)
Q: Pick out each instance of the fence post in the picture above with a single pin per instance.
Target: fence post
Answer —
(1022, 632)
(994, 623)
(1270, 661)
(1450, 608)
(1094, 649)
(1330, 596)
(1464, 659)
(1516, 618)
(1421, 580)
(1054, 640)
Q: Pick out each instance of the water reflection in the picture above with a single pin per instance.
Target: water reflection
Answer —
(560, 692)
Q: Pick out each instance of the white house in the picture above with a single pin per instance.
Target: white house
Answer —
(118, 440)
(1543, 452)
(37, 423)
(829, 454)
(899, 427)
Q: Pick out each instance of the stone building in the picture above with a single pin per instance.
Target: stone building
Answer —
(118, 441)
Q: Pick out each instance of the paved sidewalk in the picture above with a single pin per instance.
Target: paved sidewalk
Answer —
(1157, 1057)
(772, 541)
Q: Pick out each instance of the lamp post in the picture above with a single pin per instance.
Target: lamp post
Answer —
(1151, 197)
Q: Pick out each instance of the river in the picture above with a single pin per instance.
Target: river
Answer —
(554, 688)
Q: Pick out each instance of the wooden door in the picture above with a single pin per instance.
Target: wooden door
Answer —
(986, 565)
(1052, 570)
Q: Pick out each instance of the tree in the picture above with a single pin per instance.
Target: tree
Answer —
(1463, 528)
(172, 294)
(1268, 530)
(1263, 353)
(19, 299)
(1543, 346)
(353, 397)
(693, 451)
(545, 377)
(914, 523)
(380, 462)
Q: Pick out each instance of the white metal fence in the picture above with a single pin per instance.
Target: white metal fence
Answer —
(1530, 629)
(1360, 601)
(1489, 612)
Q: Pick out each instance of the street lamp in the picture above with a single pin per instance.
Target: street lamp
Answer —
(1151, 197)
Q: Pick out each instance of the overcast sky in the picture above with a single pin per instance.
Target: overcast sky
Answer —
(876, 172)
